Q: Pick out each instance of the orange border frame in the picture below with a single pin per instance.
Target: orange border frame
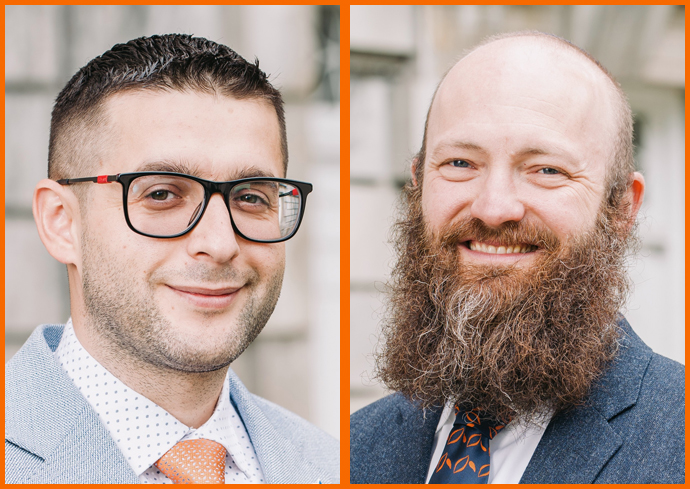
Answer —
(344, 192)
(345, 243)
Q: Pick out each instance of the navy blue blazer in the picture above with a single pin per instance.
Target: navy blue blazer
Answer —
(631, 429)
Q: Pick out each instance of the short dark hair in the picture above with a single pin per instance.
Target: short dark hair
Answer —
(170, 62)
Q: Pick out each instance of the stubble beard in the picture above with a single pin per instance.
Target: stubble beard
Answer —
(131, 326)
(519, 343)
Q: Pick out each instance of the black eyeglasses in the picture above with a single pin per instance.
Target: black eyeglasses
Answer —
(169, 205)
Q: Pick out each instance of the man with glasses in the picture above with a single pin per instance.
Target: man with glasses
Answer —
(167, 201)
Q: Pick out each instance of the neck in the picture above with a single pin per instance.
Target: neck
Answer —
(190, 397)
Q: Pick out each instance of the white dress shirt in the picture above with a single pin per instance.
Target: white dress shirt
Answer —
(511, 449)
(144, 431)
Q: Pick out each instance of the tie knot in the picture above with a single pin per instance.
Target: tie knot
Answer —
(194, 462)
(477, 420)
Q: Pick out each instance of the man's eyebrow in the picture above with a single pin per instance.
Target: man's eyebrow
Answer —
(171, 166)
(457, 144)
(250, 172)
(561, 153)
(196, 170)
(528, 151)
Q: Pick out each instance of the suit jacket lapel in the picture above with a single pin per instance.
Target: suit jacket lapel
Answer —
(578, 443)
(573, 449)
(50, 419)
(281, 461)
(396, 442)
(415, 429)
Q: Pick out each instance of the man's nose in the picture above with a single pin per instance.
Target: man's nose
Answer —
(213, 235)
(498, 200)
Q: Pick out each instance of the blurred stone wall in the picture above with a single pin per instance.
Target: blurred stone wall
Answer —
(399, 54)
(295, 361)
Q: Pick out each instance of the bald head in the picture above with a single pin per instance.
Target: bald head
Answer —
(531, 79)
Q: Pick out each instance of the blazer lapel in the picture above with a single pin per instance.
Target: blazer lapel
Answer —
(415, 429)
(577, 444)
(573, 449)
(50, 419)
(281, 461)
(391, 442)
(87, 455)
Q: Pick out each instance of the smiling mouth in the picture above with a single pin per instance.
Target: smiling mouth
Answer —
(205, 298)
(204, 291)
(500, 249)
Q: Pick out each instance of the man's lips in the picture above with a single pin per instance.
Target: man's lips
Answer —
(206, 297)
(497, 248)
(205, 290)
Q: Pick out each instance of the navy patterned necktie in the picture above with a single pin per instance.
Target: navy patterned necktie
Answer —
(465, 458)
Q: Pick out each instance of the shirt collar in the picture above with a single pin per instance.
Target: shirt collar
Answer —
(447, 416)
(142, 430)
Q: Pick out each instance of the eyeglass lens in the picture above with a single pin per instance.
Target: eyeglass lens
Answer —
(166, 205)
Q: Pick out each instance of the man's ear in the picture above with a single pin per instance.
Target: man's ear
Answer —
(413, 170)
(56, 212)
(635, 195)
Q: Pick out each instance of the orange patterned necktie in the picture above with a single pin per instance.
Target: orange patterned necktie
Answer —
(194, 462)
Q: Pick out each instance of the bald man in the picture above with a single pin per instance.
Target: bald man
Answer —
(503, 340)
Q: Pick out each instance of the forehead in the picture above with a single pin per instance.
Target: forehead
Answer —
(215, 136)
(521, 88)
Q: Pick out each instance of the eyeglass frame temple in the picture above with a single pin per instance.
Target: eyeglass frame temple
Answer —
(98, 179)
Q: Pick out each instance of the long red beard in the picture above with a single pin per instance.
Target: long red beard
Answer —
(513, 341)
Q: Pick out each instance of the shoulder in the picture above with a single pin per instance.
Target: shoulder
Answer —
(299, 431)
(665, 375)
(390, 441)
(35, 352)
(653, 429)
(661, 400)
(396, 412)
(315, 447)
(655, 382)
(368, 420)
(28, 371)
(291, 449)
(653, 387)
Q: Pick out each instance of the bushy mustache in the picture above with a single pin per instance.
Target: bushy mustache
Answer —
(510, 233)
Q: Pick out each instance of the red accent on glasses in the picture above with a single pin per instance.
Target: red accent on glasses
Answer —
(295, 192)
(102, 179)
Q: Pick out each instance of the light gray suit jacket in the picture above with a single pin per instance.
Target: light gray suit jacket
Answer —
(52, 435)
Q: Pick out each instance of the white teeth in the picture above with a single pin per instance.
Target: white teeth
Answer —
(500, 250)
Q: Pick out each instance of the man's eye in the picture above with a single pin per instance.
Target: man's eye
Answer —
(250, 198)
(159, 194)
(459, 164)
(549, 171)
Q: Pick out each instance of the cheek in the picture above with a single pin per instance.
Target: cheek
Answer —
(266, 259)
(137, 256)
(566, 217)
(443, 202)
